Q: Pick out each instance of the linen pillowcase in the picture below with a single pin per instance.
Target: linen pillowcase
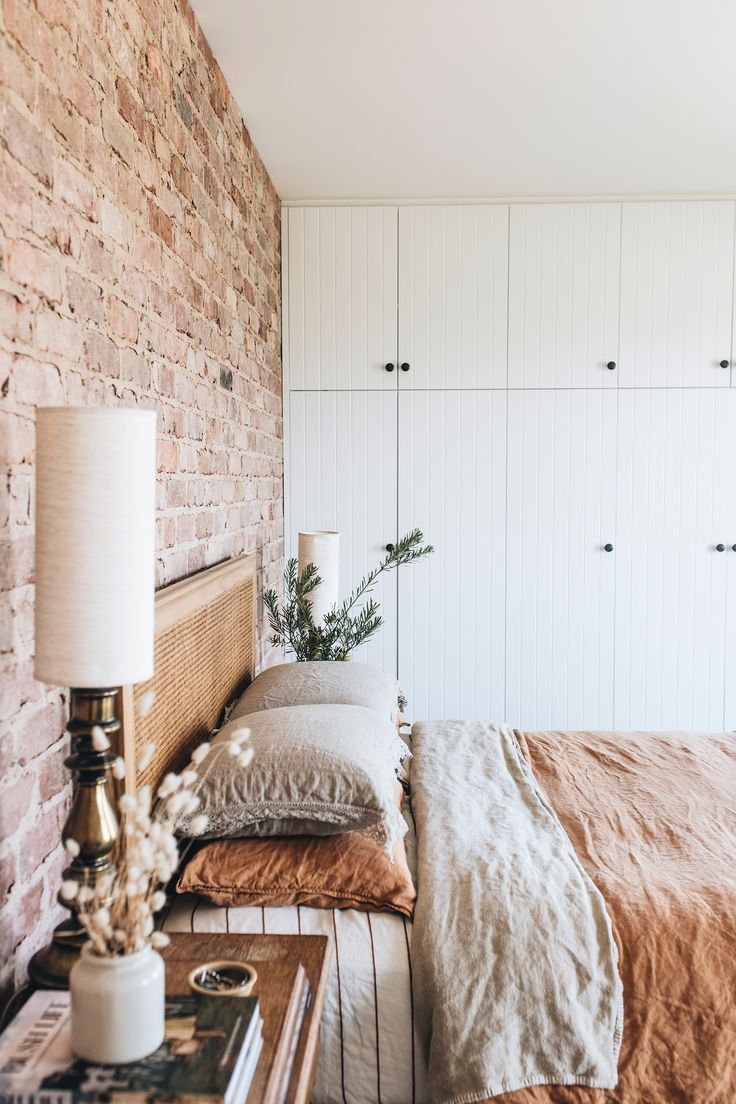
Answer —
(316, 770)
(345, 871)
(322, 683)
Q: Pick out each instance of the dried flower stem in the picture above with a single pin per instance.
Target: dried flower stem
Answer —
(118, 910)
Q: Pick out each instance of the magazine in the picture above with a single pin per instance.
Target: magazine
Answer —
(209, 1053)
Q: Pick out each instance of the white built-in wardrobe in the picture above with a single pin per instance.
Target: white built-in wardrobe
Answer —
(547, 391)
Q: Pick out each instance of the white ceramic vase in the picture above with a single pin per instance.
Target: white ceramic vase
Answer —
(117, 1005)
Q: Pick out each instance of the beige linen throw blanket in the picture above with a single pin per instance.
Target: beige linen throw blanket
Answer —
(516, 977)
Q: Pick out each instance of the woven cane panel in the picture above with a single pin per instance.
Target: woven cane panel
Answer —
(202, 662)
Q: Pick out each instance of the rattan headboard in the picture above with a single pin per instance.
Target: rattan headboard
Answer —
(205, 654)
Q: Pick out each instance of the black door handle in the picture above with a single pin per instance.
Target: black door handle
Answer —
(720, 548)
(611, 365)
(725, 364)
(608, 547)
(405, 366)
(390, 547)
(390, 367)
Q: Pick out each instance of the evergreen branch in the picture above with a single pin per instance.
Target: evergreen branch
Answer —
(292, 623)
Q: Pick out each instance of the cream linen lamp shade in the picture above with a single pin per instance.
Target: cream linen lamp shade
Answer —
(321, 548)
(95, 545)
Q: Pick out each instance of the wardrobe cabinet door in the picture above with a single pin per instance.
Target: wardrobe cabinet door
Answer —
(676, 459)
(676, 294)
(340, 271)
(560, 575)
(729, 461)
(453, 280)
(564, 261)
(452, 485)
(341, 475)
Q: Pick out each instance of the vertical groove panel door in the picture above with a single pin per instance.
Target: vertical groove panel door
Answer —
(560, 578)
(676, 294)
(452, 485)
(453, 290)
(340, 275)
(342, 476)
(727, 460)
(676, 458)
(564, 267)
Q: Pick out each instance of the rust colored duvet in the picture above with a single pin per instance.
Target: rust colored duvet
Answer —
(653, 819)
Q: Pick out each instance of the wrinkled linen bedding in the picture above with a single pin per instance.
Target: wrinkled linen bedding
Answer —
(515, 966)
(652, 817)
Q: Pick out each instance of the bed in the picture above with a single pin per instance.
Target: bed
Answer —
(651, 820)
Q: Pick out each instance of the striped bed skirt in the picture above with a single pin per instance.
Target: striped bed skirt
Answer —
(370, 1049)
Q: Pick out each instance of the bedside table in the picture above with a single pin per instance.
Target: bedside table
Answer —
(311, 951)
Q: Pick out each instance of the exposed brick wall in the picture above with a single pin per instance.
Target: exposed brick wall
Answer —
(139, 264)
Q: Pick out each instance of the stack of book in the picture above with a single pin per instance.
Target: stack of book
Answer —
(210, 1052)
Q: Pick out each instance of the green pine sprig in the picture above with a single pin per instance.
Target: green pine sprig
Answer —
(341, 631)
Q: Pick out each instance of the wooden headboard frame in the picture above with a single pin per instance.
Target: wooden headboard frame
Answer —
(205, 655)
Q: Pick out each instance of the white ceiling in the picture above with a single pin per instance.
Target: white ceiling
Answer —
(349, 99)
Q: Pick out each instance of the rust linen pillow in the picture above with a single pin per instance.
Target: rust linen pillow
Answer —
(346, 871)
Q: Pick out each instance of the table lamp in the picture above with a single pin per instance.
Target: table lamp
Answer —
(321, 548)
(95, 556)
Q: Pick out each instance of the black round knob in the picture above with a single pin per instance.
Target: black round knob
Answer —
(405, 366)
(390, 367)
(725, 364)
(608, 547)
(733, 547)
(390, 547)
(611, 365)
(720, 548)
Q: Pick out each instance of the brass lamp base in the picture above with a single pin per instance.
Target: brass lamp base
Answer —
(91, 823)
(50, 967)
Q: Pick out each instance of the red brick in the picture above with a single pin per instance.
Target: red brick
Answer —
(74, 187)
(85, 298)
(66, 122)
(36, 382)
(98, 259)
(37, 730)
(134, 368)
(15, 318)
(157, 67)
(122, 320)
(16, 75)
(116, 224)
(57, 13)
(8, 874)
(160, 223)
(53, 223)
(118, 135)
(176, 492)
(24, 23)
(97, 158)
(38, 841)
(17, 439)
(130, 108)
(52, 774)
(59, 335)
(35, 268)
(26, 144)
(185, 528)
(26, 911)
(102, 354)
(78, 91)
(16, 800)
(91, 11)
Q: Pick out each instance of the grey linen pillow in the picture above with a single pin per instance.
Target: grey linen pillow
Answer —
(322, 683)
(316, 770)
